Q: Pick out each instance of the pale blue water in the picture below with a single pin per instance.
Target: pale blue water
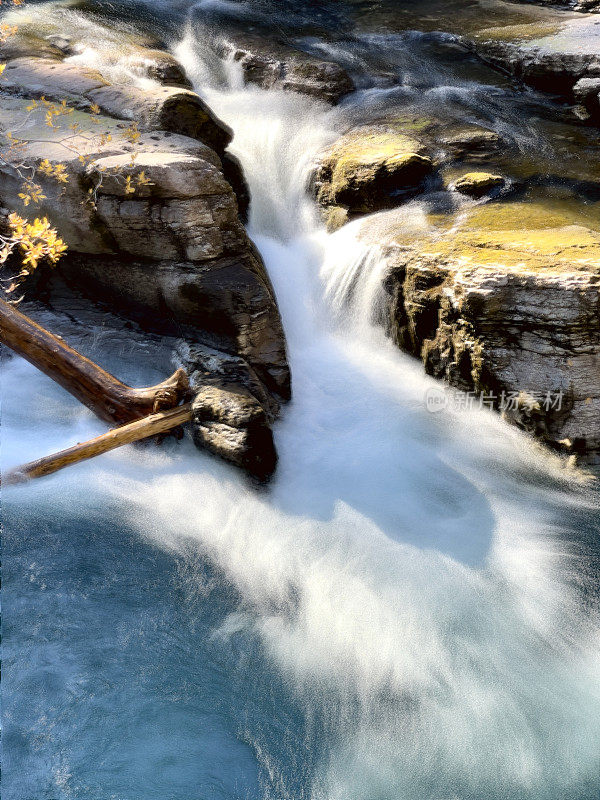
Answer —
(117, 682)
(136, 667)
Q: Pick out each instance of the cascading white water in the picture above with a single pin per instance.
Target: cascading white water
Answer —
(411, 572)
(416, 579)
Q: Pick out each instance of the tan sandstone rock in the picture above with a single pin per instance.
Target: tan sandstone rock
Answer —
(153, 228)
(153, 107)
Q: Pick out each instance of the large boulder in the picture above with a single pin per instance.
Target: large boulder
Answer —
(153, 107)
(370, 168)
(230, 422)
(505, 306)
(382, 163)
(226, 303)
(186, 210)
(552, 55)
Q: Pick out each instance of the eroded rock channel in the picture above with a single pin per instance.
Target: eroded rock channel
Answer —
(496, 290)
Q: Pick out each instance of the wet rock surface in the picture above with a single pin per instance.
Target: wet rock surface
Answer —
(576, 5)
(154, 227)
(371, 168)
(277, 65)
(498, 292)
(554, 55)
(478, 184)
(229, 421)
(385, 163)
(188, 257)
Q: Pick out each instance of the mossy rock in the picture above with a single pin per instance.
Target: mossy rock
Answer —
(335, 217)
(371, 168)
(478, 184)
(525, 237)
(528, 31)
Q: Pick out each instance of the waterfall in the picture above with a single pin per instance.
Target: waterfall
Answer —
(410, 574)
(415, 587)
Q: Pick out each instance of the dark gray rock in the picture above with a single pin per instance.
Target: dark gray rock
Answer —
(587, 94)
(205, 364)
(225, 303)
(270, 64)
(230, 422)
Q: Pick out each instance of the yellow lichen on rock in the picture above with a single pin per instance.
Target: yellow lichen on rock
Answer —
(518, 237)
(502, 298)
(478, 184)
(368, 165)
(525, 236)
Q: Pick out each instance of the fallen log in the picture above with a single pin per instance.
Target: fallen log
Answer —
(153, 425)
(109, 398)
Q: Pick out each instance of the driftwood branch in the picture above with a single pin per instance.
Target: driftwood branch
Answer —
(100, 391)
(152, 425)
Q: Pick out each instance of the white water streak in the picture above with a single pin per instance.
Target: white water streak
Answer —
(469, 682)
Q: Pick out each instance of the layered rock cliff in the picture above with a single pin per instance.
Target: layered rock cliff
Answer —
(506, 307)
(491, 257)
(148, 207)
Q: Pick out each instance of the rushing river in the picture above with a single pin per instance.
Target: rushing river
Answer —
(408, 612)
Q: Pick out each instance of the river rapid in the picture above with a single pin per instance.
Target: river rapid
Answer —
(408, 612)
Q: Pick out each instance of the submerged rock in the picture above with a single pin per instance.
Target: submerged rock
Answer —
(506, 306)
(470, 143)
(478, 184)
